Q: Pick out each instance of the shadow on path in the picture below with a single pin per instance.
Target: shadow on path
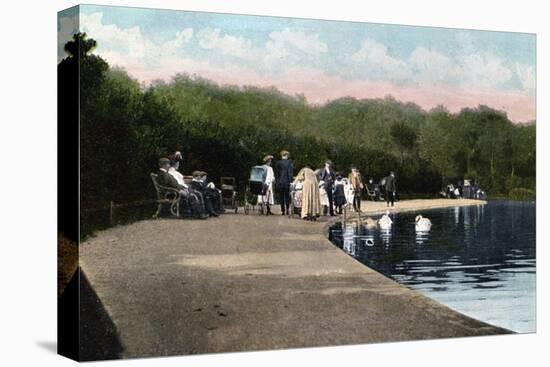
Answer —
(94, 336)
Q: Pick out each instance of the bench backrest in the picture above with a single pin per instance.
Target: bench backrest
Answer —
(154, 177)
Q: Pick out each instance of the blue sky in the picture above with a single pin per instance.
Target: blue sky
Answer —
(321, 59)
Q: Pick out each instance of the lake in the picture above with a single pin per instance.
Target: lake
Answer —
(477, 260)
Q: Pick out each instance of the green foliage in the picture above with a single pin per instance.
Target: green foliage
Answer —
(80, 45)
(520, 193)
(225, 130)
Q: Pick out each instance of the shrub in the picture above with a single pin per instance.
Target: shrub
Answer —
(521, 193)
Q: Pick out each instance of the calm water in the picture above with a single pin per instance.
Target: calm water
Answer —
(478, 260)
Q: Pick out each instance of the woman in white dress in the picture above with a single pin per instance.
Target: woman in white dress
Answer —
(267, 198)
(349, 192)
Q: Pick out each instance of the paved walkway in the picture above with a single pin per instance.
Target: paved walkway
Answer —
(239, 283)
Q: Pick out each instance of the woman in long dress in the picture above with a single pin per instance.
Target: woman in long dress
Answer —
(267, 198)
(311, 204)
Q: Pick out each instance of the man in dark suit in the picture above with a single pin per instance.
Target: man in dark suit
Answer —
(199, 184)
(328, 176)
(186, 197)
(284, 175)
(213, 193)
(391, 188)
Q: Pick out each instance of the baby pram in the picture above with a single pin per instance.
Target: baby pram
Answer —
(296, 191)
(256, 186)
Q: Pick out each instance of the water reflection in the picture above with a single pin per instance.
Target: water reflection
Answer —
(349, 239)
(421, 237)
(385, 236)
(478, 260)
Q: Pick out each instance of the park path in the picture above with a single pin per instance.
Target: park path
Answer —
(239, 283)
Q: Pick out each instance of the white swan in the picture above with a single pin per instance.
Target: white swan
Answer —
(422, 224)
(385, 222)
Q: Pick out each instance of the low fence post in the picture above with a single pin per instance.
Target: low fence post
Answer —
(111, 212)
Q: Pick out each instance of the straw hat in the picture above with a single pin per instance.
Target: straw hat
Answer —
(268, 157)
(284, 152)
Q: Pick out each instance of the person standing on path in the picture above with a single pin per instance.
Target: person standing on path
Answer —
(284, 175)
(311, 204)
(391, 188)
(328, 176)
(357, 183)
(267, 197)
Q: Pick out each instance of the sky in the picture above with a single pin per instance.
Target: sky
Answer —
(323, 60)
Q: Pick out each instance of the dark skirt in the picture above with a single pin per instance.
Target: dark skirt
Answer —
(339, 195)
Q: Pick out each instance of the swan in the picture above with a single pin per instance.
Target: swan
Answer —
(385, 222)
(422, 224)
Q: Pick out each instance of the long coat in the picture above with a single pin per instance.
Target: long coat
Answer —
(391, 185)
(311, 203)
(356, 182)
(167, 180)
(284, 173)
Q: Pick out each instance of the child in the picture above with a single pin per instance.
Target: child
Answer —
(339, 193)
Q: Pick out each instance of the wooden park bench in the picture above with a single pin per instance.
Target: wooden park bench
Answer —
(166, 196)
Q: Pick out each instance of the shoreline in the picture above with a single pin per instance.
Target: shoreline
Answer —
(413, 205)
(243, 283)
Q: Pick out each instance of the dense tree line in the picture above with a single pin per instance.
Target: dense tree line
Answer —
(224, 130)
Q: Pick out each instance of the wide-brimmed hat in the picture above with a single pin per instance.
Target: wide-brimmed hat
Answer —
(284, 152)
(196, 173)
(268, 157)
(176, 157)
(328, 161)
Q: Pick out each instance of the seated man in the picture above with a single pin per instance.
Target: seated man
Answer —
(187, 198)
(199, 185)
(214, 193)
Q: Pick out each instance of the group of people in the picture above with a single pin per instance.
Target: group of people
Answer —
(200, 198)
(464, 190)
(322, 191)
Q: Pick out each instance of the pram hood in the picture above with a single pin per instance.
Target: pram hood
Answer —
(258, 174)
